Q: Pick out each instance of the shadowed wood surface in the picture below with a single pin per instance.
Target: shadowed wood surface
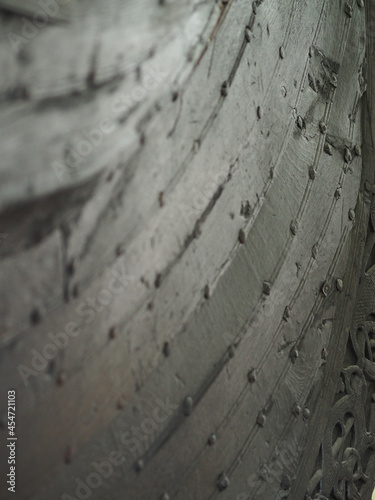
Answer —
(185, 214)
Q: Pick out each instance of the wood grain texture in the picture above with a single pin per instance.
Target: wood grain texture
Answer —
(177, 184)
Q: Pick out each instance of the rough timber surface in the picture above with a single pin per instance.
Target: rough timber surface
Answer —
(182, 188)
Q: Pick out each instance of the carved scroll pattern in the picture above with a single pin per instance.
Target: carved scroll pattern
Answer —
(346, 458)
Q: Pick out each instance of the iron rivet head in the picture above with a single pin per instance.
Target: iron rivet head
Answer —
(112, 333)
(338, 193)
(222, 482)
(325, 288)
(61, 378)
(368, 186)
(294, 227)
(286, 314)
(358, 150)
(324, 353)
(297, 409)
(231, 350)
(314, 251)
(212, 439)
(261, 420)
(35, 316)
(348, 10)
(339, 284)
(252, 375)
(360, 4)
(70, 268)
(247, 34)
(196, 146)
(333, 80)
(138, 465)
(224, 89)
(351, 214)
(157, 282)
(322, 127)
(285, 482)
(312, 173)
(306, 413)
(294, 353)
(282, 52)
(241, 236)
(328, 149)
(206, 292)
(121, 403)
(164, 496)
(347, 155)
(266, 288)
(300, 122)
(166, 349)
(259, 112)
(187, 406)
(119, 250)
(69, 454)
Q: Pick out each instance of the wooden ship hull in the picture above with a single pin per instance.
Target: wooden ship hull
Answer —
(187, 229)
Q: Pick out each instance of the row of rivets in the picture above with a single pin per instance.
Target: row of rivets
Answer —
(297, 411)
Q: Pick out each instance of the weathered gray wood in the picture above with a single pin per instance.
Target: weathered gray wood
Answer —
(211, 215)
